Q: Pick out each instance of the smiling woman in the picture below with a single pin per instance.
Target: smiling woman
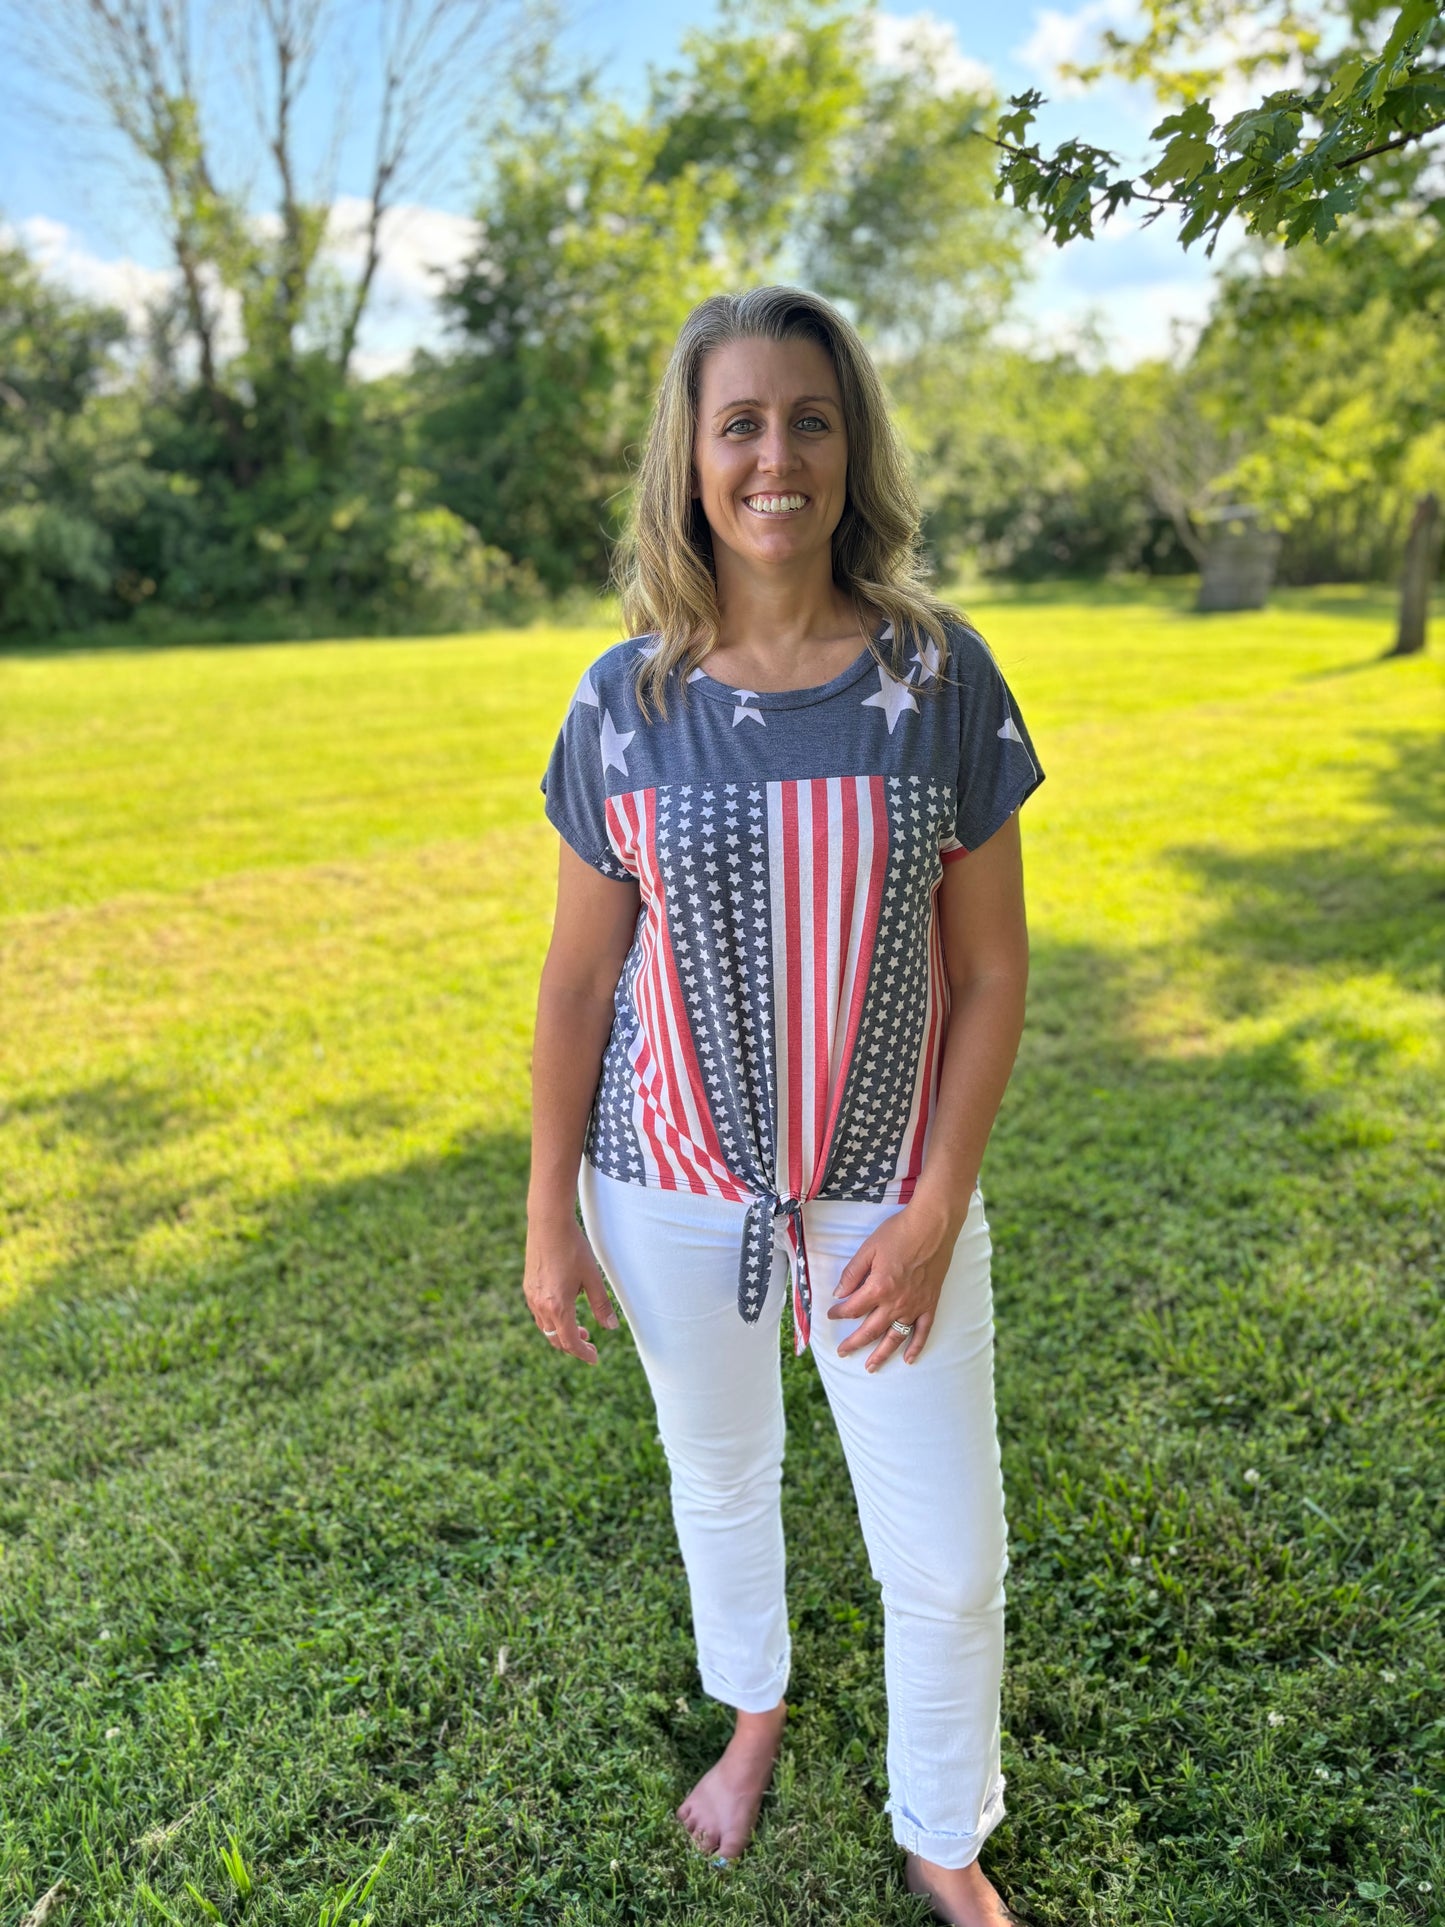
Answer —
(777, 1017)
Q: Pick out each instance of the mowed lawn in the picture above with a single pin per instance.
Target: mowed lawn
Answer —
(314, 1559)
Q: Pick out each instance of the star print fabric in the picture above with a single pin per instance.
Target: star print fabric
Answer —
(779, 1021)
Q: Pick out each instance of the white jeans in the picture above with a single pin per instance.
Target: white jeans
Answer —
(922, 1450)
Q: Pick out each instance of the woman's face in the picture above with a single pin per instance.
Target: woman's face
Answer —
(770, 452)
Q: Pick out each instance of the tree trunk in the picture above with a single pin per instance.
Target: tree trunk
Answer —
(1422, 552)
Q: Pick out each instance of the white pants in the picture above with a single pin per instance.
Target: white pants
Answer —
(922, 1450)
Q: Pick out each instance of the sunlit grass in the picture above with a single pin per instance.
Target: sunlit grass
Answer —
(283, 1474)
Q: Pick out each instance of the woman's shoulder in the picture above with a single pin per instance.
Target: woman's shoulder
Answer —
(610, 677)
(969, 657)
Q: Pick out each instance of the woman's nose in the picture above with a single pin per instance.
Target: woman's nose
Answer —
(775, 452)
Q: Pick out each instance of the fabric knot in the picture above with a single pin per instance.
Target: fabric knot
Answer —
(755, 1262)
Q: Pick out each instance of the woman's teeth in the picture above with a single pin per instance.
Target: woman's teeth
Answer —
(775, 504)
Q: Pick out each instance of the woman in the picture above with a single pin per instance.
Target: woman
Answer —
(776, 1019)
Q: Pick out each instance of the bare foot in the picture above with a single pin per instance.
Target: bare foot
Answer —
(722, 1809)
(963, 1896)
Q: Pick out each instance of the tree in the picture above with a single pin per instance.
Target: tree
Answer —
(56, 469)
(1291, 166)
(275, 477)
(779, 146)
(1346, 147)
(280, 398)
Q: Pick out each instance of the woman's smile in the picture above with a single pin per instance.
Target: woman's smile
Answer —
(775, 504)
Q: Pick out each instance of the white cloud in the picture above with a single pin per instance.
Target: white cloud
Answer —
(63, 257)
(420, 245)
(922, 44)
(1133, 286)
(1059, 38)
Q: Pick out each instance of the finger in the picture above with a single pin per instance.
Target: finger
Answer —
(868, 1333)
(889, 1342)
(855, 1271)
(595, 1286)
(859, 1303)
(867, 1297)
(921, 1329)
(572, 1337)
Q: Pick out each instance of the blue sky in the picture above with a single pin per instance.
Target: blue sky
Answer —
(61, 189)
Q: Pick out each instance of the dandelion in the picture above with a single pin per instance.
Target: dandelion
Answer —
(1276, 1719)
(1251, 1475)
(1424, 1887)
(113, 1732)
(104, 1633)
(1387, 1676)
(614, 1866)
(1172, 1551)
(1135, 1560)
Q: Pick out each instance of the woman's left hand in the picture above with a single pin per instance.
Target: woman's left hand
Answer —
(897, 1274)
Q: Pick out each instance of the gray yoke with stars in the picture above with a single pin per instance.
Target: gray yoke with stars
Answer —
(780, 1017)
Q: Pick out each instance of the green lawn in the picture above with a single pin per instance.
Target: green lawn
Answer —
(305, 1537)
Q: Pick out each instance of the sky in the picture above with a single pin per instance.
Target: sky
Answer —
(63, 191)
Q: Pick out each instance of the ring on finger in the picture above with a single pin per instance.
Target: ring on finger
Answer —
(903, 1331)
(547, 1334)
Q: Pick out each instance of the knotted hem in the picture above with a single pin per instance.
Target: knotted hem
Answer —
(755, 1262)
(949, 1849)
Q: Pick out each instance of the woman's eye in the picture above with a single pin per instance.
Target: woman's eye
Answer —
(747, 425)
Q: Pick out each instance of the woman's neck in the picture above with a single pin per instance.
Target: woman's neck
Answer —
(785, 628)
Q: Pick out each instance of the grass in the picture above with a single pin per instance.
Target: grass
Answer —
(314, 1562)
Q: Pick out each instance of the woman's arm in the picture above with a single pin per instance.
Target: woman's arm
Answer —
(898, 1273)
(986, 953)
(591, 935)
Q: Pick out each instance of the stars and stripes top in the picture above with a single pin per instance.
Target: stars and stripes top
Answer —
(780, 1017)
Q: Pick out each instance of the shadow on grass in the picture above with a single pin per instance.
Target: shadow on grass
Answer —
(363, 1548)
(115, 1117)
(1374, 900)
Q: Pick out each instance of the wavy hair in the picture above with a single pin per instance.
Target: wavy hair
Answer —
(663, 568)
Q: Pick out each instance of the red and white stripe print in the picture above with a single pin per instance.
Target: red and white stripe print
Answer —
(828, 840)
(671, 1116)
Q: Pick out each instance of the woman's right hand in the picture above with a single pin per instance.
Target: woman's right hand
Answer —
(559, 1269)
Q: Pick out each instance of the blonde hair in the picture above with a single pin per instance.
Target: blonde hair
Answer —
(663, 568)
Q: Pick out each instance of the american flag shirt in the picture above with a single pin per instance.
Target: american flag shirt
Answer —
(780, 1017)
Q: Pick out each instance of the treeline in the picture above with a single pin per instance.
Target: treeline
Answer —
(227, 459)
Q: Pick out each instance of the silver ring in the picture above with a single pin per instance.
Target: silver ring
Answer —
(547, 1334)
(903, 1331)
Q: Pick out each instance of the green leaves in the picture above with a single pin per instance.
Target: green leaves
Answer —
(1063, 187)
(1292, 168)
(1189, 151)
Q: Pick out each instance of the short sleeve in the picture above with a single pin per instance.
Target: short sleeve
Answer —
(574, 786)
(997, 767)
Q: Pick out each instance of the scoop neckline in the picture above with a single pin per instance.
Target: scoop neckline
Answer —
(788, 698)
